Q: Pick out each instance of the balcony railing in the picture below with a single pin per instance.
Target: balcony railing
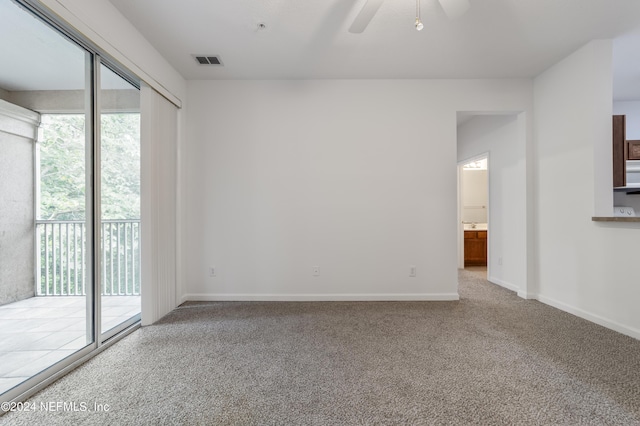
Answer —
(62, 260)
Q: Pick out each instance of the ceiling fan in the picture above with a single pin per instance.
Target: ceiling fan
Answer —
(452, 8)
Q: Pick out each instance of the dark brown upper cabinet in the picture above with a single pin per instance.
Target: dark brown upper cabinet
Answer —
(633, 150)
(620, 152)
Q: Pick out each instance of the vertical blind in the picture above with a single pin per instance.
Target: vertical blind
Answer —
(158, 127)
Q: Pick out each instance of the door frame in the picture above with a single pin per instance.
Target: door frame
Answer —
(460, 225)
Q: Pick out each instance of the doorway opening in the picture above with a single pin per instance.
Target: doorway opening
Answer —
(502, 138)
(473, 214)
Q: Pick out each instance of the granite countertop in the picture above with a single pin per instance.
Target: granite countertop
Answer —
(615, 219)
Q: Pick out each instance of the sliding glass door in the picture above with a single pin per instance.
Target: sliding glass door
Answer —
(46, 188)
(120, 201)
(70, 196)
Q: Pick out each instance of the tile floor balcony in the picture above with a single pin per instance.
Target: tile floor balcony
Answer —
(36, 333)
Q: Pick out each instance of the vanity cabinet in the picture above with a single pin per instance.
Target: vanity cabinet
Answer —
(475, 248)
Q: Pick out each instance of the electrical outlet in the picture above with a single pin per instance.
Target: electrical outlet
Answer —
(315, 271)
(212, 271)
(412, 271)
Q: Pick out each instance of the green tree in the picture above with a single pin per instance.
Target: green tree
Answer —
(120, 166)
(63, 160)
(62, 167)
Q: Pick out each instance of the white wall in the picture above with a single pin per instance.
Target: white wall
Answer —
(632, 110)
(500, 136)
(18, 131)
(357, 177)
(584, 267)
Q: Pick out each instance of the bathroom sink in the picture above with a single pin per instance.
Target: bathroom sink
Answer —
(475, 226)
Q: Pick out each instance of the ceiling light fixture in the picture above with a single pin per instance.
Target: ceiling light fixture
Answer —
(419, 24)
(452, 8)
(476, 165)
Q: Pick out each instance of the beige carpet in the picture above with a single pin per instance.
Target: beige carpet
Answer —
(491, 358)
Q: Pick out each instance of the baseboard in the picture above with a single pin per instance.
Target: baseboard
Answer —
(504, 284)
(613, 325)
(528, 296)
(225, 297)
(513, 287)
(183, 298)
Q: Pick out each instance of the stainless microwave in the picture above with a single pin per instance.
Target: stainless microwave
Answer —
(633, 173)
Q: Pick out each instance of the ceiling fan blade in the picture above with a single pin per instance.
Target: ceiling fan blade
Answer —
(365, 16)
(455, 8)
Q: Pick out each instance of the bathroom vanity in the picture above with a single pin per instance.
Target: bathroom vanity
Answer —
(475, 247)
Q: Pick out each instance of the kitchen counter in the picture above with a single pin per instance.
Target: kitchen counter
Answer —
(615, 219)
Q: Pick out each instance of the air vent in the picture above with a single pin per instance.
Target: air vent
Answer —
(207, 59)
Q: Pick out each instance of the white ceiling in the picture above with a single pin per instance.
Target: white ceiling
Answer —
(309, 39)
